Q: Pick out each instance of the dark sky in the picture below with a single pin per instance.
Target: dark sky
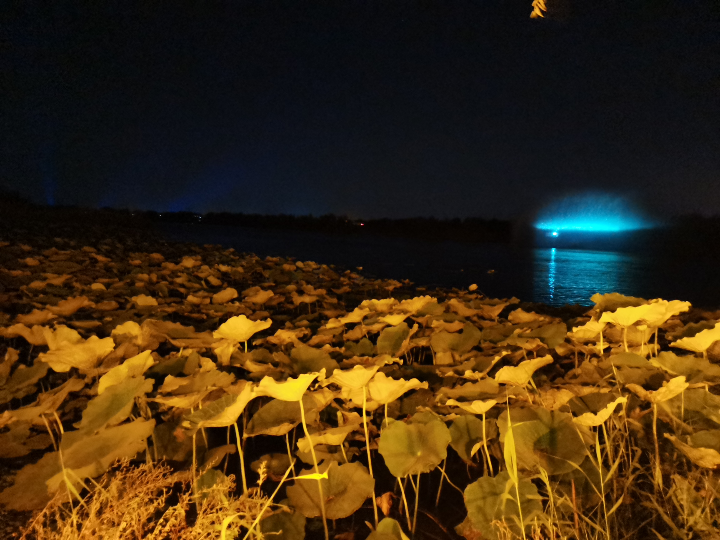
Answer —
(367, 108)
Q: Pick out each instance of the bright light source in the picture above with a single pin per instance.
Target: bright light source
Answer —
(554, 233)
(590, 212)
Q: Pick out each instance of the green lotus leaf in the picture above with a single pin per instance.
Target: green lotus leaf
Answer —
(388, 529)
(521, 374)
(593, 402)
(278, 417)
(628, 359)
(114, 405)
(391, 339)
(444, 341)
(364, 347)
(467, 431)
(84, 456)
(701, 341)
(222, 412)
(472, 390)
(707, 458)
(551, 335)
(492, 499)
(694, 368)
(549, 440)
(696, 406)
(284, 525)
(414, 448)
(384, 390)
(345, 490)
(308, 359)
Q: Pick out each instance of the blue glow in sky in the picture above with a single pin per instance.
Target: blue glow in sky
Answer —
(590, 212)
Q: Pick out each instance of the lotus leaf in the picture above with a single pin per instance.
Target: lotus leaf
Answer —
(114, 405)
(310, 360)
(695, 369)
(474, 407)
(22, 380)
(394, 319)
(345, 490)
(460, 343)
(413, 305)
(472, 390)
(521, 374)
(279, 416)
(364, 347)
(697, 407)
(143, 300)
(385, 390)
(207, 481)
(523, 317)
(84, 355)
(701, 341)
(47, 402)
(69, 306)
(259, 297)
(707, 458)
(222, 412)
(284, 525)
(613, 301)
(391, 339)
(388, 529)
(86, 456)
(491, 499)
(20, 441)
(356, 316)
(466, 434)
(132, 367)
(332, 436)
(626, 316)
(414, 448)
(289, 390)
(549, 440)
(240, 329)
(589, 419)
(551, 335)
(224, 296)
(590, 331)
(354, 378)
(275, 465)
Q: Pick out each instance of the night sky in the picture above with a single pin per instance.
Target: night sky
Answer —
(365, 108)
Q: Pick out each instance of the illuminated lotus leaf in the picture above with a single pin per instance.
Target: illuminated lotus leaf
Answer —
(670, 389)
(260, 297)
(461, 309)
(388, 529)
(84, 356)
(20, 441)
(704, 455)
(467, 431)
(142, 300)
(590, 331)
(357, 315)
(36, 316)
(520, 316)
(459, 343)
(694, 368)
(345, 490)
(384, 305)
(492, 499)
(413, 305)
(200, 381)
(285, 337)
(132, 367)
(308, 359)
(394, 319)
(70, 305)
(385, 390)
(34, 335)
(521, 374)
(547, 439)
(492, 312)
(22, 380)
(114, 405)
(84, 456)
(669, 309)
(701, 341)
(471, 390)
(98, 287)
(303, 298)
(629, 360)
(129, 330)
(224, 351)
(592, 420)
(392, 339)
(333, 436)
(626, 316)
(240, 329)
(529, 344)
(283, 525)
(451, 327)
(355, 378)
(224, 296)
(278, 417)
(697, 406)
(289, 390)
(414, 448)
(47, 402)
(551, 335)
(61, 337)
(474, 407)
(613, 301)
(222, 412)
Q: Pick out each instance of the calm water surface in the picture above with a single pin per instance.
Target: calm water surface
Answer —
(553, 276)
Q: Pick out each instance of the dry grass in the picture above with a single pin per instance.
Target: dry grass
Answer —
(146, 502)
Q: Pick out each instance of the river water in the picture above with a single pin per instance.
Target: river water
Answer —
(551, 275)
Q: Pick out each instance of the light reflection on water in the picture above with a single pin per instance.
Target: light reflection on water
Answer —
(572, 276)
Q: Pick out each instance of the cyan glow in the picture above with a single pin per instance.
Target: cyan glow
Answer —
(591, 212)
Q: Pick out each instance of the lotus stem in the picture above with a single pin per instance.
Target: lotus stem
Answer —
(407, 510)
(242, 458)
(417, 498)
(317, 470)
(367, 446)
(442, 477)
(485, 447)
